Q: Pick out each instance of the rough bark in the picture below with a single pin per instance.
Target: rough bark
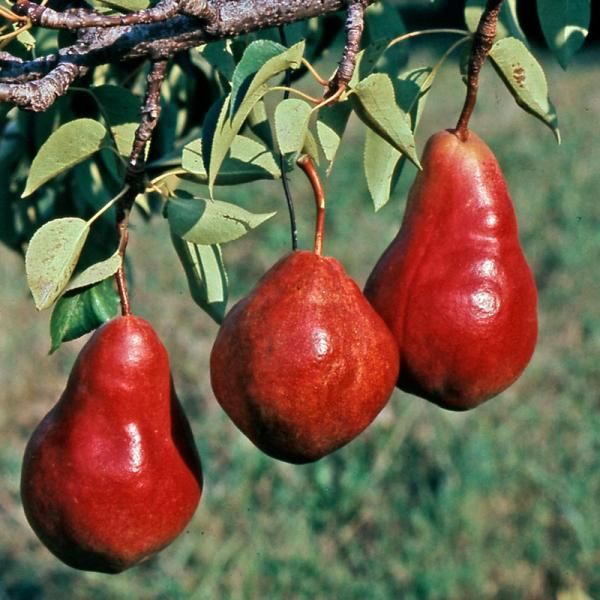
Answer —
(34, 85)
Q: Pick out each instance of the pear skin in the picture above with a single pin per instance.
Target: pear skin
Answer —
(454, 286)
(111, 475)
(303, 364)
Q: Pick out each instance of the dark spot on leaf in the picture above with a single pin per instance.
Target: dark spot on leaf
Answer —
(519, 75)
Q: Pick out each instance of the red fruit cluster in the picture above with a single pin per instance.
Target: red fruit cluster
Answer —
(302, 365)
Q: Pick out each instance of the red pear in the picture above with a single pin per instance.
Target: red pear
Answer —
(454, 286)
(111, 475)
(303, 364)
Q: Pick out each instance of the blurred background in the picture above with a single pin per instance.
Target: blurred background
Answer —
(500, 502)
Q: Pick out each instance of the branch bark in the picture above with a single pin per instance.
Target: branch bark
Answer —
(218, 19)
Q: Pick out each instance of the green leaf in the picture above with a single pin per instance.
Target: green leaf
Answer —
(565, 25)
(52, 256)
(70, 144)
(258, 122)
(291, 124)
(254, 57)
(210, 222)
(380, 162)
(12, 148)
(412, 88)
(383, 23)
(121, 108)
(205, 274)
(330, 129)
(366, 61)
(525, 80)
(218, 56)
(311, 147)
(220, 130)
(248, 160)
(375, 103)
(508, 22)
(82, 311)
(25, 38)
(96, 272)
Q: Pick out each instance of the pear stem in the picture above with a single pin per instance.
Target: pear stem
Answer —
(306, 163)
(482, 44)
(122, 228)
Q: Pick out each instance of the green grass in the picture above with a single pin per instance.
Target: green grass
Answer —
(501, 502)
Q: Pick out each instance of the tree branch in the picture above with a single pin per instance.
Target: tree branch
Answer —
(112, 44)
(355, 23)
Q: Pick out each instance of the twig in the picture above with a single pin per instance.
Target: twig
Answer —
(355, 23)
(482, 44)
(135, 174)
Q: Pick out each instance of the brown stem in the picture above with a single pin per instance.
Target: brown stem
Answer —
(123, 231)
(306, 163)
(482, 44)
(355, 23)
(135, 174)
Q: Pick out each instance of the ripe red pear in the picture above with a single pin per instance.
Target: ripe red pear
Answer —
(303, 364)
(111, 475)
(454, 285)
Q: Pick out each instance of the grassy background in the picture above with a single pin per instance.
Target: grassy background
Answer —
(501, 502)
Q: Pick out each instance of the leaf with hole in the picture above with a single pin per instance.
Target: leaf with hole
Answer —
(70, 144)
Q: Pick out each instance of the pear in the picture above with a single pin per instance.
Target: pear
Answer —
(303, 364)
(454, 285)
(111, 475)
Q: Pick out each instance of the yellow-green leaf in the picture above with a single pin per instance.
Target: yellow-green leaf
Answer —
(375, 103)
(247, 160)
(291, 124)
(70, 144)
(525, 80)
(206, 276)
(210, 222)
(51, 258)
(96, 272)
